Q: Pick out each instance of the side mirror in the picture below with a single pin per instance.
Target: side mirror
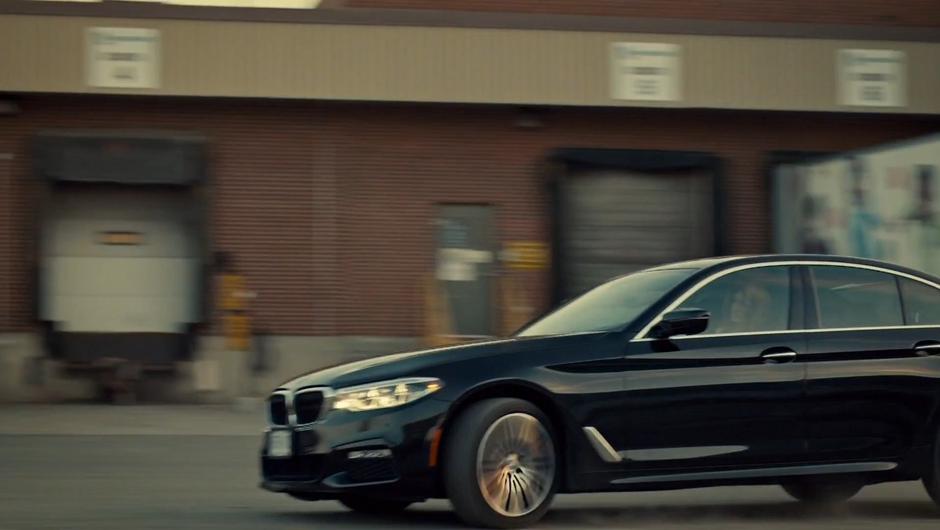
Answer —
(683, 321)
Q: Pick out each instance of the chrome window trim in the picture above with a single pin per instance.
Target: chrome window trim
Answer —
(788, 331)
(641, 336)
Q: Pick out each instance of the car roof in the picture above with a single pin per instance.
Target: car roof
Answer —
(696, 264)
(723, 262)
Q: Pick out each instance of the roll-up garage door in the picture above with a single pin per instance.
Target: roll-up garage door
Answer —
(122, 244)
(120, 261)
(613, 222)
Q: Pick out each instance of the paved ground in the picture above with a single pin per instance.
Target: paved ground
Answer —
(87, 419)
(127, 477)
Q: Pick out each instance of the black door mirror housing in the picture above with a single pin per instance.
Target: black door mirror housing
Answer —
(682, 321)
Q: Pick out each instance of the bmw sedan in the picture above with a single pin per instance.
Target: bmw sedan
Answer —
(819, 374)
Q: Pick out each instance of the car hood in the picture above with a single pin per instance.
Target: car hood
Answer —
(412, 363)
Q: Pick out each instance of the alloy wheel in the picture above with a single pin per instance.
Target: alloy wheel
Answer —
(515, 465)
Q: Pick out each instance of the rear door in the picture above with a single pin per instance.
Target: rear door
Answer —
(872, 372)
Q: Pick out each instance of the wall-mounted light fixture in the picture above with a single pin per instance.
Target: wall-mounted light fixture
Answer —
(9, 107)
(528, 118)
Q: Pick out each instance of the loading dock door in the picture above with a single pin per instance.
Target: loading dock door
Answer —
(120, 265)
(123, 237)
(120, 261)
(613, 222)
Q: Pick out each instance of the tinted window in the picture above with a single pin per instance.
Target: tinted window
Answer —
(746, 301)
(610, 305)
(921, 302)
(852, 298)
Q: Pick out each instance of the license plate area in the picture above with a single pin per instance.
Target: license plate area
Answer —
(279, 444)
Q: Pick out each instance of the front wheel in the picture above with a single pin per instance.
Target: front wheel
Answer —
(500, 468)
(374, 506)
(822, 492)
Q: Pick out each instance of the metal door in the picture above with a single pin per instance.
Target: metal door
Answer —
(615, 222)
(466, 263)
(120, 261)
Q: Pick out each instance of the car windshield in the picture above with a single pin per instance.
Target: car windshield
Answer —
(609, 305)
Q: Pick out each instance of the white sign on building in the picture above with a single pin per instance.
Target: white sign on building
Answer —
(645, 71)
(123, 58)
(872, 78)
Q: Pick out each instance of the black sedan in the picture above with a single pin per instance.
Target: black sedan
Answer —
(817, 373)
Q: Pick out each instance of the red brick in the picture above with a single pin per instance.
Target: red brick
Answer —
(921, 13)
(328, 206)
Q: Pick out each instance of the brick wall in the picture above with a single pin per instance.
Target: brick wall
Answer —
(923, 13)
(9, 213)
(328, 207)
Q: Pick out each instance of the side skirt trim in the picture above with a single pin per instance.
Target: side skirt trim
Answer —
(680, 453)
(601, 445)
(790, 471)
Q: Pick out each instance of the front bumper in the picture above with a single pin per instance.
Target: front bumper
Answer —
(384, 453)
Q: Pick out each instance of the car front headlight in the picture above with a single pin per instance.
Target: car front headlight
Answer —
(384, 394)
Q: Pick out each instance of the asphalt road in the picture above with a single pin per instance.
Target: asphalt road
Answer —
(171, 481)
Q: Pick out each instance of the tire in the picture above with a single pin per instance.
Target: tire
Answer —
(822, 492)
(932, 477)
(522, 471)
(374, 506)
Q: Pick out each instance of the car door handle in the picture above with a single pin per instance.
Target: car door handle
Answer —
(778, 355)
(927, 348)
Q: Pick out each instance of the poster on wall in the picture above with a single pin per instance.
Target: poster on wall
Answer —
(645, 71)
(879, 203)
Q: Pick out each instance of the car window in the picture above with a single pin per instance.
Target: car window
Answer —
(746, 301)
(921, 302)
(609, 305)
(851, 298)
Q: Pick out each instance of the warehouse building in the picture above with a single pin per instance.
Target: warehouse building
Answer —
(366, 163)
